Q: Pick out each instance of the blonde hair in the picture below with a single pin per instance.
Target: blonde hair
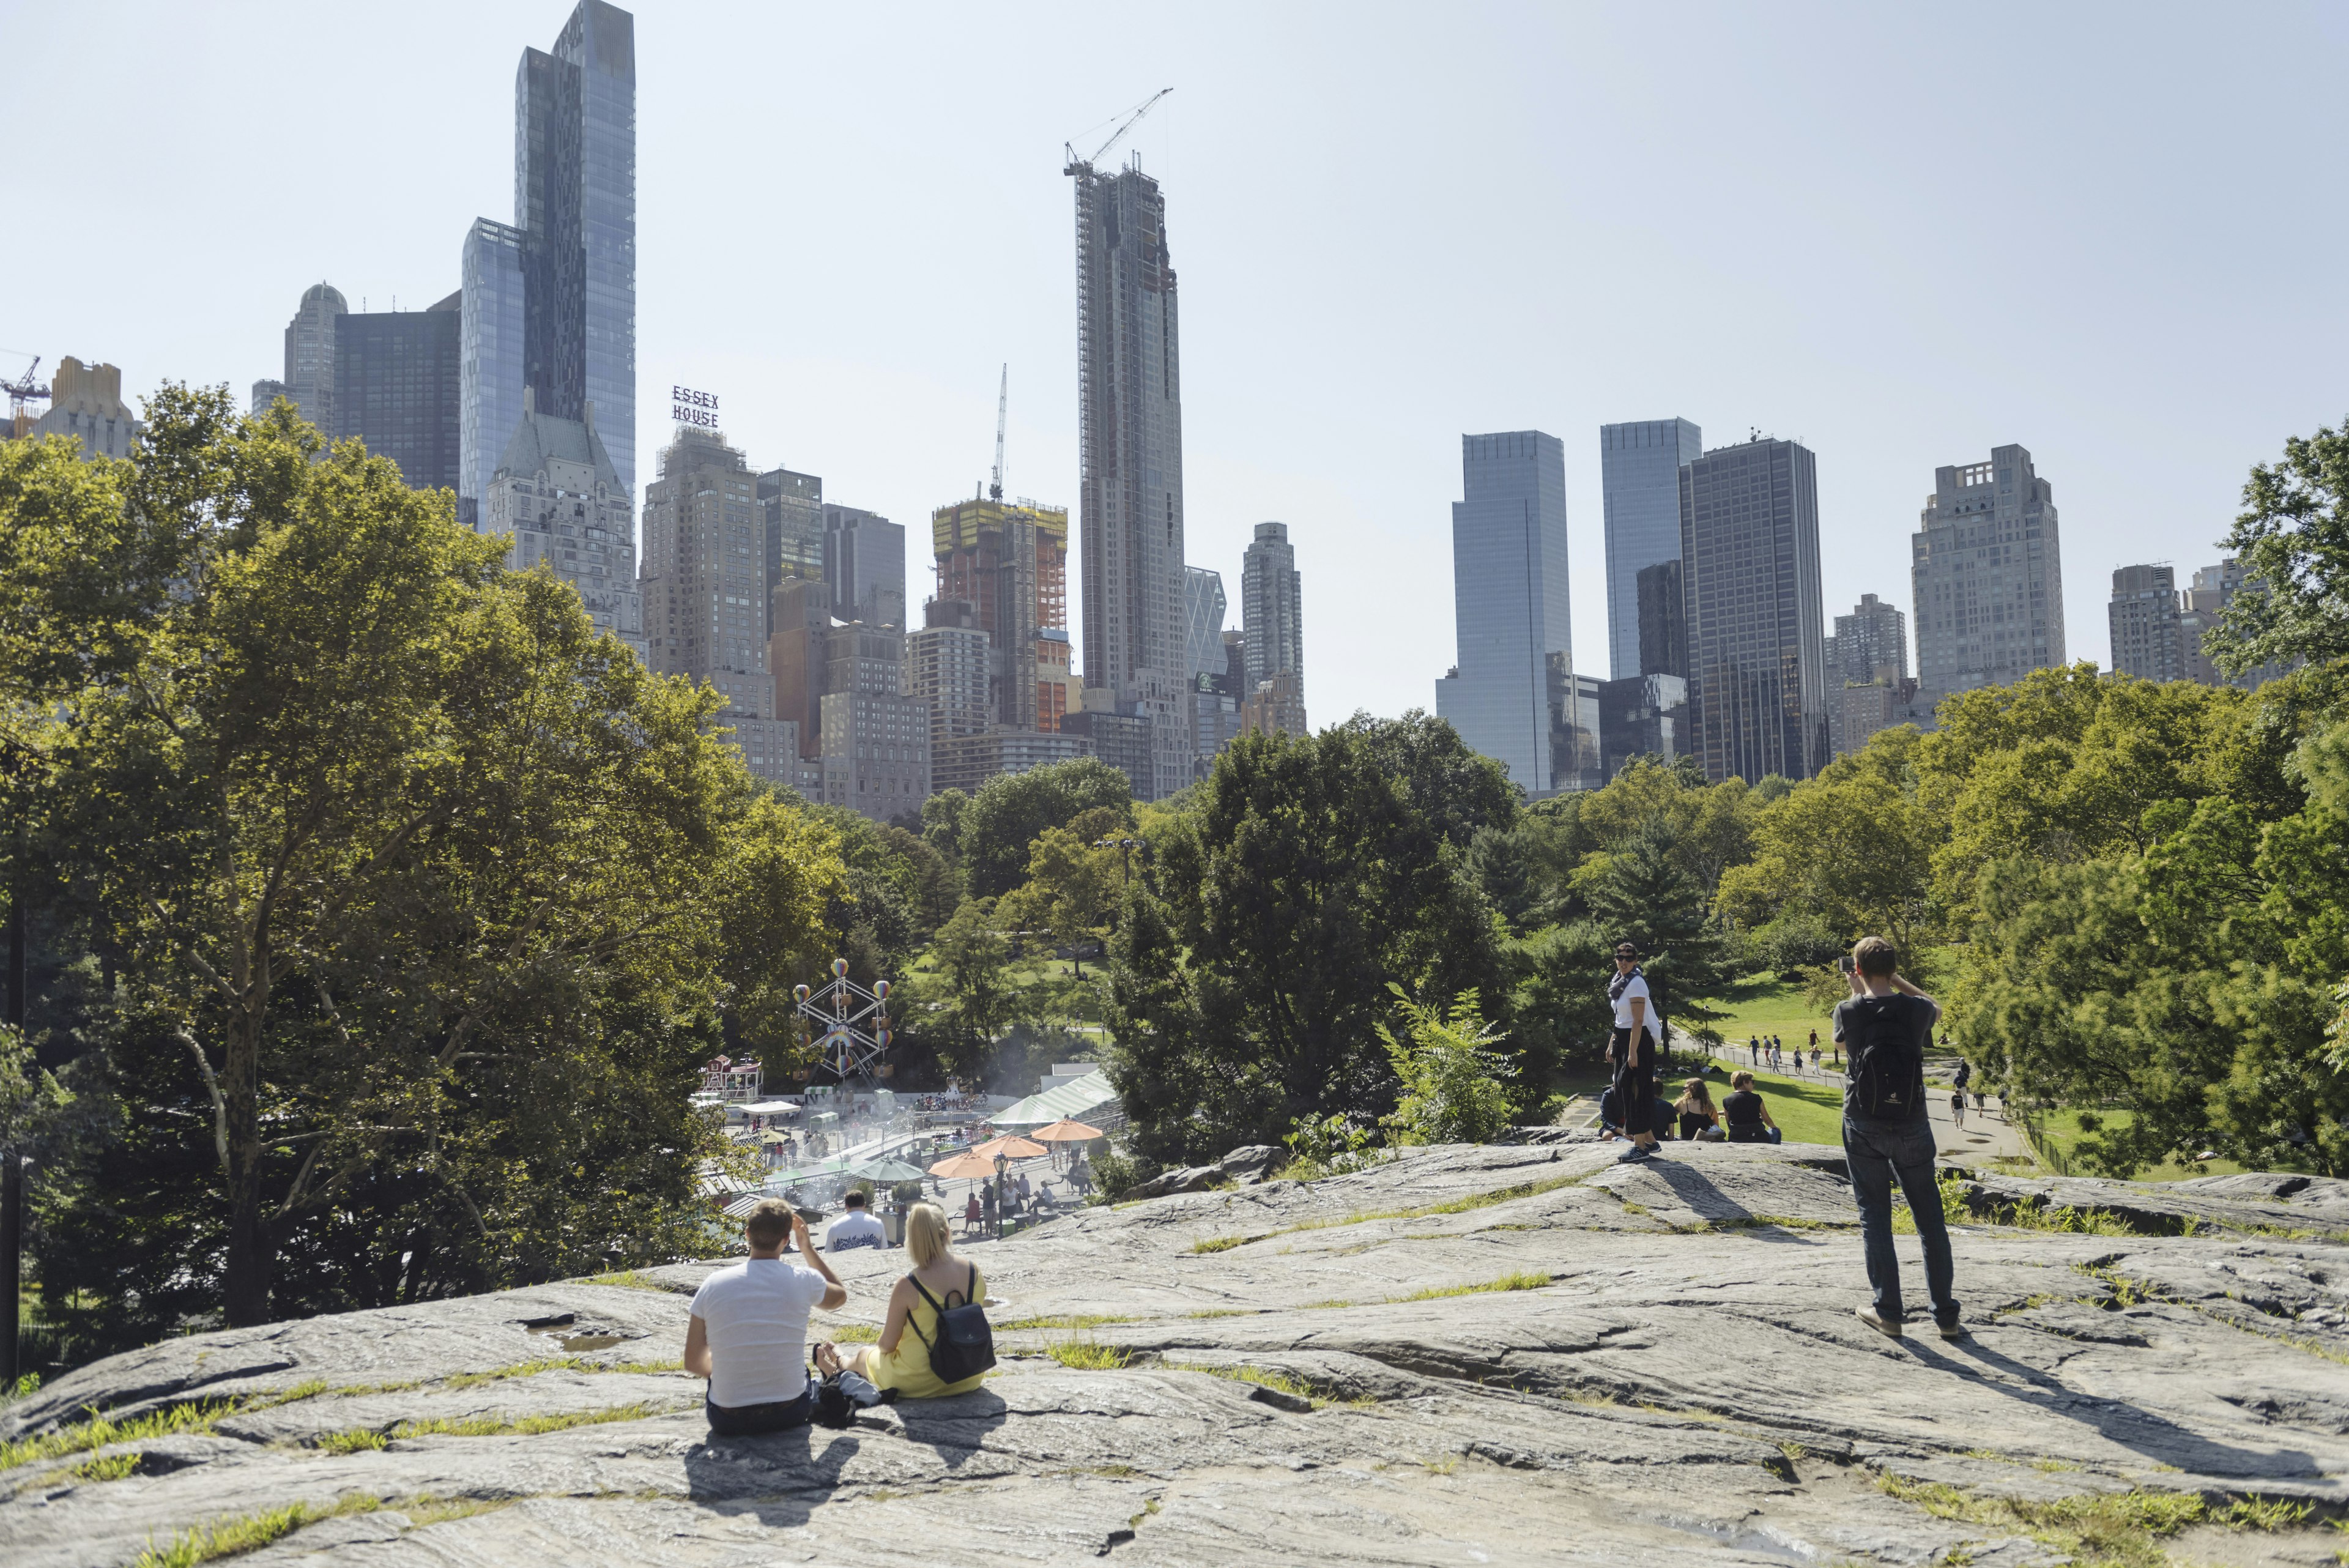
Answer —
(1741, 1079)
(926, 1233)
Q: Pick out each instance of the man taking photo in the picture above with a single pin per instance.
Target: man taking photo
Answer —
(1633, 1049)
(1883, 1027)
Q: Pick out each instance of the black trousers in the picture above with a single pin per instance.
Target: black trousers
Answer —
(1635, 1083)
(749, 1420)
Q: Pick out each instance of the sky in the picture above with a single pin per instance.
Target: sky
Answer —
(1900, 235)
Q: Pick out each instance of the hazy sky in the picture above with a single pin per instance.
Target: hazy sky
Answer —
(1903, 235)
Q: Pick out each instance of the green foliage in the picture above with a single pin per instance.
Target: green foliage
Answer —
(1116, 1171)
(1004, 818)
(1451, 1076)
(1334, 1145)
(2292, 539)
(1087, 1356)
(1851, 849)
(1253, 958)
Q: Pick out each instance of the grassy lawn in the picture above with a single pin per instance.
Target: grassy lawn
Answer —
(1761, 1005)
(1808, 1110)
(2062, 1129)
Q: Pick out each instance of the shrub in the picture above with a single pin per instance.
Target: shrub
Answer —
(1452, 1089)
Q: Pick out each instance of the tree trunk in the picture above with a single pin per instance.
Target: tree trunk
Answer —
(247, 1293)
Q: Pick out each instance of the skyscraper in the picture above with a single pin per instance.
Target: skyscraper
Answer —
(557, 494)
(1639, 479)
(704, 569)
(2144, 616)
(1988, 578)
(1663, 618)
(1509, 604)
(1869, 687)
(1272, 608)
(309, 378)
(790, 508)
(864, 563)
(1010, 560)
(398, 387)
(1129, 448)
(1203, 622)
(85, 402)
(569, 259)
(1750, 581)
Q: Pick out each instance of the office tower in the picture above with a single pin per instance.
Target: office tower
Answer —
(1642, 716)
(1130, 453)
(1010, 560)
(1509, 604)
(265, 392)
(1272, 609)
(398, 386)
(2144, 616)
(1276, 707)
(1575, 727)
(2198, 612)
(550, 300)
(1869, 687)
(947, 666)
(1203, 622)
(1215, 699)
(1750, 582)
(800, 615)
(1118, 734)
(85, 403)
(864, 562)
(1663, 619)
(791, 508)
(557, 494)
(1988, 578)
(875, 740)
(704, 570)
(490, 316)
(1640, 479)
(309, 378)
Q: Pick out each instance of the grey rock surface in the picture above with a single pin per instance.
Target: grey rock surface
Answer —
(1522, 1354)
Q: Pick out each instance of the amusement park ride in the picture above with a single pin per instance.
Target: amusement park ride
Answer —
(853, 1025)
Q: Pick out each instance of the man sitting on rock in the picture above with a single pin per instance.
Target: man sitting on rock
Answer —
(855, 1228)
(1884, 1026)
(749, 1331)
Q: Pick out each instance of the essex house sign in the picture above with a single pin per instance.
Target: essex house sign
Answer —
(688, 407)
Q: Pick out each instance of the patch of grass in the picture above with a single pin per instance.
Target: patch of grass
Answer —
(351, 1442)
(1781, 1222)
(1443, 1467)
(430, 1510)
(1217, 1243)
(1503, 1195)
(102, 1431)
(25, 1387)
(628, 1279)
(1088, 1355)
(2109, 1530)
(858, 1333)
(552, 1364)
(525, 1427)
(246, 1533)
(1520, 1281)
(114, 1467)
(1224, 1312)
(1332, 1305)
(1281, 1382)
(1076, 1320)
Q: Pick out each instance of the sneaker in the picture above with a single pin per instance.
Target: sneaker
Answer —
(1889, 1326)
(1951, 1330)
(1634, 1155)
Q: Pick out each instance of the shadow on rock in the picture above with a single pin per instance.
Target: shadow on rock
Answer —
(954, 1429)
(779, 1476)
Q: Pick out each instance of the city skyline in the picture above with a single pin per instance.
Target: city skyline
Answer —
(1882, 378)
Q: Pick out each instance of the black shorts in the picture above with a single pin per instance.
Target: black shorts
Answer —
(749, 1420)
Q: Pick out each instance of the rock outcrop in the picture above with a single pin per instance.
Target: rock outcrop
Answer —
(1471, 1354)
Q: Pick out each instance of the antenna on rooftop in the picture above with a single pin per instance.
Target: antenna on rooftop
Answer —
(1002, 406)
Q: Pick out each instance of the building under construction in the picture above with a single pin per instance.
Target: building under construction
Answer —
(1009, 561)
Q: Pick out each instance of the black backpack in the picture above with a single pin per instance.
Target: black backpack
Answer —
(965, 1344)
(1888, 1061)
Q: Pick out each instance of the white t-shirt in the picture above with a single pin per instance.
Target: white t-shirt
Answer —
(1639, 988)
(756, 1314)
(857, 1227)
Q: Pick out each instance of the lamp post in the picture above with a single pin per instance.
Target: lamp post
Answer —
(1125, 848)
(1002, 1163)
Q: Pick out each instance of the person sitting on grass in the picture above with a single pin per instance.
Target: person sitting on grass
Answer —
(1749, 1120)
(748, 1331)
(1698, 1118)
(901, 1362)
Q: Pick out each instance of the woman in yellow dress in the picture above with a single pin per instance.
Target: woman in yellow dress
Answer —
(902, 1360)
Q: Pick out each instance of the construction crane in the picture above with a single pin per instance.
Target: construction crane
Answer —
(1002, 405)
(1115, 136)
(22, 390)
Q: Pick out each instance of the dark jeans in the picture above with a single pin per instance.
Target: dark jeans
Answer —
(749, 1420)
(1635, 1082)
(1876, 1152)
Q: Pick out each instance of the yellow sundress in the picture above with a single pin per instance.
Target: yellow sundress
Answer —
(906, 1368)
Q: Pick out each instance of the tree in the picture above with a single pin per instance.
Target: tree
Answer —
(2292, 540)
(1639, 893)
(1450, 1072)
(975, 997)
(1853, 847)
(1072, 893)
(1010, 809)
(1251, 968)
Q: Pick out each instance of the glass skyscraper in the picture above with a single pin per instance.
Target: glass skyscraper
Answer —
(397, 389)
(575, 217)
(1272, 608)
(489, 359)
(1639, 475)
(1509, 598)
(1750, 581)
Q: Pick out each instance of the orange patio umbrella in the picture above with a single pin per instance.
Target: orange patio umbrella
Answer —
(968, 1164)
(1010, 1147)
(1066, 1131)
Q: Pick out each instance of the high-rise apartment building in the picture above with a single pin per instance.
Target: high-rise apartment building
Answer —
(791, 508)
(1276, 707)
(1118, 734)
(1750, 581)
(1215, 698)
(1272, 608)
(558, 495)
(1203, 622)
(947, 666)
(2144, 619)
(800, 614)
(1988, 572)
(1130, 451)
(1869, 687)
(864, 563)
(1010, 560)
(85, 403)
(704, 566)
(309, 380)
(1515, 678)
(1640, 481)
(550, 301)
(2198, 612)
(398, 386)
(876, 753)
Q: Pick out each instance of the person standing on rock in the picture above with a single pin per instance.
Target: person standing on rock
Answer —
(1888, 1134)
(1633, 1048)
(748, 1334)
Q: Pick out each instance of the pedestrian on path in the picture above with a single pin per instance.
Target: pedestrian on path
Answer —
(1958, 1108)
(1633, 1047)
(1887, 1135)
